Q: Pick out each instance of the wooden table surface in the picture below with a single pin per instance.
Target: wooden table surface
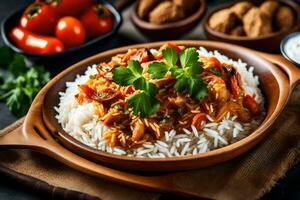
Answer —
(287, 188)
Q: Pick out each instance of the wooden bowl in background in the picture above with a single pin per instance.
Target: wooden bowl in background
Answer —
(267, 43)
(171, 30)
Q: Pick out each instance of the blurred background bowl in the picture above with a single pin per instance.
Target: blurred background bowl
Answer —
(268, 43)
(168, 31)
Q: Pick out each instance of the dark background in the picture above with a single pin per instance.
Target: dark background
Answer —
(287, 188)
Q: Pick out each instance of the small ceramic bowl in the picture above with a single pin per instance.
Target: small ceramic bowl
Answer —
(267, 43)
(285, 44)
(13, 20)
(171, 30)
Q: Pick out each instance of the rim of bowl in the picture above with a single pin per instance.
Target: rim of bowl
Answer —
(190, 19)
(295, 7)
(118, 21)
(283, 50)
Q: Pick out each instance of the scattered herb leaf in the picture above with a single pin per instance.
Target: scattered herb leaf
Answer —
(170, 55)
(22, 85)
(158, 70)
(215, 71)
(143, 104)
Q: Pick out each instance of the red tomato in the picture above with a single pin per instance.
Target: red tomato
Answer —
(97, 21)
(70, 31)
(198, 119)
(234, 87)
(250, 103)
(39, 18)
(69, 7)
(215, 62)
(34, 43)
(89, 92)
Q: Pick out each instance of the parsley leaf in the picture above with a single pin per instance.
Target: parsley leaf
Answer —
(142, 84)
(189, 58)
(196, 87)
(19, 91)
(157, 70)
(135, 68)
(127, 75)
(181, 83)
(123, 76)
(143, 104)
(215, 71)
(170, 55)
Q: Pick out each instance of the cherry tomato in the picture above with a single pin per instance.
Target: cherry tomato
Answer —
(234, 87)
(70, 31)
(97, 21)
(69, 7)
(214, 62)
(198, 119)
(34, 43)
(39, 18)
(89, 92)
(250, 103)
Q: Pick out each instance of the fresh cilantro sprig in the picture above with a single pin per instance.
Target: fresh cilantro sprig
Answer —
(187, 74)
(21, 84)
(143, 102)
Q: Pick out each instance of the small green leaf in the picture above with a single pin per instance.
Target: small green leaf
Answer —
(189, 57)
(196, 87)
(142, 84)
(196, 68)
(135, 68)
(158, 70)
(177, 72)
(181, 83)
(123, 76)
(215, 71)
(170, 55)
(143, 104)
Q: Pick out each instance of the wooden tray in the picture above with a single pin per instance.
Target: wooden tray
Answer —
(31, 133)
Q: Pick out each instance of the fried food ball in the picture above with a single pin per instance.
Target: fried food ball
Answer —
(145, 6)
(240, 9)
(238, 31)
(257, 23)
(188, 6)
(166, 12)
(269, 7)
(284, 18)
(223, 20)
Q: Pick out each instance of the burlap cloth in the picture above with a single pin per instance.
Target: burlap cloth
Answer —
(246, 177)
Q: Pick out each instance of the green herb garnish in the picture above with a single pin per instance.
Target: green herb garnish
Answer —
(187, 76)
(215, 71)
(143, 102)
(22, 83)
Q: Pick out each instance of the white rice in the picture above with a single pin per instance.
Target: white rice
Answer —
(82, 123)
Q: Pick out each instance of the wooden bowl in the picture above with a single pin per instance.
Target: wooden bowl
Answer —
(168, 31)
(275, 84)
(267, 43)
